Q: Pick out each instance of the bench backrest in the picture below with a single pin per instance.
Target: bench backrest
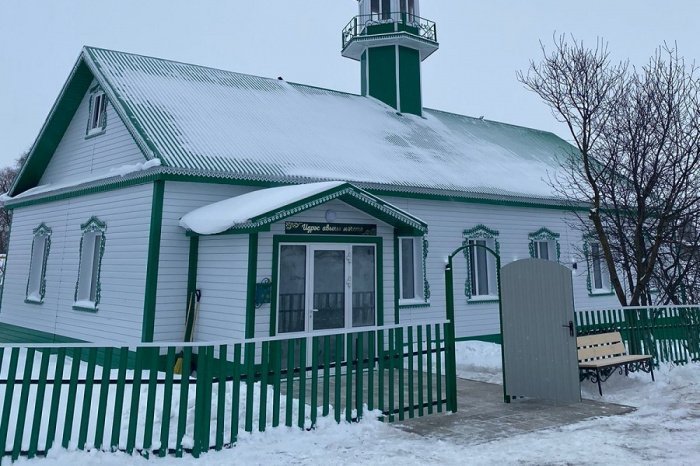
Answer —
(600, 346)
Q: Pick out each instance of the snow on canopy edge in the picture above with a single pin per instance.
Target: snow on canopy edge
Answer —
(223, 215)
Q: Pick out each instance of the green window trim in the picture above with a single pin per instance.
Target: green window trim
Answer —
(479, 232)
(587, 240)
(544, 234)
(93, 225)
(41, 231)
(96, 94)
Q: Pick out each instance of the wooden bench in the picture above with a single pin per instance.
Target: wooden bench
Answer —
(599, 356)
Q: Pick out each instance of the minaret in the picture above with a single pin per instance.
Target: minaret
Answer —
(390, 40)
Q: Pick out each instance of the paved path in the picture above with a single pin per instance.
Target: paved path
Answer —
(482, 416)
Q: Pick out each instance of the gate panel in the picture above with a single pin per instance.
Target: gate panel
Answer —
(539, 345)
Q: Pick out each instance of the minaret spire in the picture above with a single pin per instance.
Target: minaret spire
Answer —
(390, 40)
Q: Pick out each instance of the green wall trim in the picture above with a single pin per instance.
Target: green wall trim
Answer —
(15, 334)
(410, 81)
(397, 278)
(250, 289)
(231, 179)
(466, 198)
(84, 191)
(494, 338)
(382, 74)
(152, 265)
(54, 127)
(278, 239)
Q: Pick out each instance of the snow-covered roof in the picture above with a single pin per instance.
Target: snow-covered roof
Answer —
(259, 208)
(204, 119)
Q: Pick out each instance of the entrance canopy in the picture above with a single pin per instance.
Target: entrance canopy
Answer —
(256, 210)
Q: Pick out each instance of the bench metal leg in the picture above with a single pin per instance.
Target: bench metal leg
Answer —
(651, 370)
(597, 374)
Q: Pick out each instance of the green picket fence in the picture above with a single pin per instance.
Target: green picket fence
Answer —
(128, 398)
(668, 333)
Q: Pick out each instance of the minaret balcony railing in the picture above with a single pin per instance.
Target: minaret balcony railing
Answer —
(367, 25)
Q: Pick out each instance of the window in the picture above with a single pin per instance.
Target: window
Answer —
(98, 111)
(409, 7)
(598, 276)
(413, 287)
(386, 9)
(87, 289)
(36, 283)
(544, 244)
(481, 282)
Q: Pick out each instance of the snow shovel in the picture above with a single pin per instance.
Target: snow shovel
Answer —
(190, 320)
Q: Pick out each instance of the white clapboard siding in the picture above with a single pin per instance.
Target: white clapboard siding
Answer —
(179, 199)
(222, 276)
(448, 220)
(119, 318)
(345, 214)
(77, 157)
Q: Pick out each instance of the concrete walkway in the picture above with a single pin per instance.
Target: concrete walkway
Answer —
(482, 416)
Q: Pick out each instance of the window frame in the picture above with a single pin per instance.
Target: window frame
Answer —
(420, 281)
(97, 110)
(490, 236)
(606, 289)
(544, 234)
(41, 231)
(92, 228)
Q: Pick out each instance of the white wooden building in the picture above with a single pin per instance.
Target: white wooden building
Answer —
(292, 208)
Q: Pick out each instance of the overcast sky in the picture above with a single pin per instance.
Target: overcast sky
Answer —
(482, 45)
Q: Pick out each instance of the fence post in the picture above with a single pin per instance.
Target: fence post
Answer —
(450, 360)
(632, 325)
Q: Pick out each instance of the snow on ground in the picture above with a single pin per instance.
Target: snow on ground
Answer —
(662, 430)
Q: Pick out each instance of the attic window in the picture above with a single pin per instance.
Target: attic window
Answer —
(98, 113)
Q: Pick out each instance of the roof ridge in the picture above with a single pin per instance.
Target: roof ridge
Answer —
(89, 47)
(503, 123)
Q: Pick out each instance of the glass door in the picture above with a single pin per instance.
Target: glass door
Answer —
(330, 287)
(325, 287)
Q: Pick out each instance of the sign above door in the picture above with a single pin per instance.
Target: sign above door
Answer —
(313, 228)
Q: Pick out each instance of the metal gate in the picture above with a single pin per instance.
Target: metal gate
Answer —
(539, 334)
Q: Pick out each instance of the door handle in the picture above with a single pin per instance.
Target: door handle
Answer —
(570, 325)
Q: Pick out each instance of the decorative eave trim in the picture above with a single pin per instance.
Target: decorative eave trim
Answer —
(203, 176)
(64, 107)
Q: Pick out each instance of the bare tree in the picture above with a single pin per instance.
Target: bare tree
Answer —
(638, 138)
(7, 177)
